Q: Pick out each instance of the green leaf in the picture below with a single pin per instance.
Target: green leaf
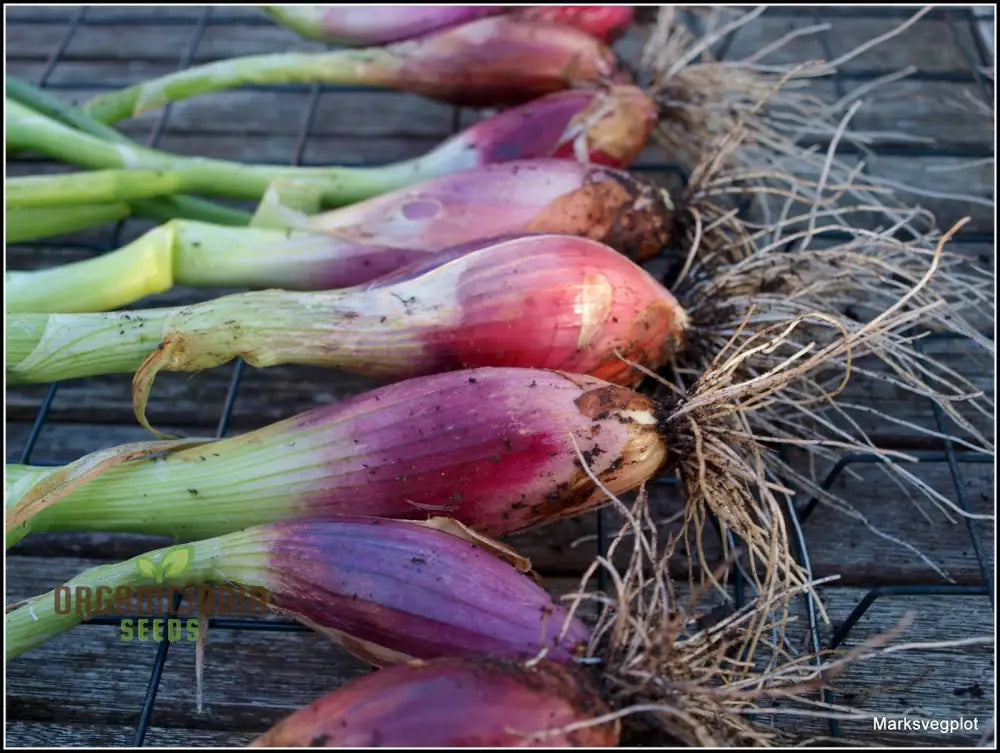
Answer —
(176, 561)
(146, 567)
(287, 204)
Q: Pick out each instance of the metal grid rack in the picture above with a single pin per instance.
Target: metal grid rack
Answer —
(797, 514)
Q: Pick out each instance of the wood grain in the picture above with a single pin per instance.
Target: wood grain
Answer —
(86, 687)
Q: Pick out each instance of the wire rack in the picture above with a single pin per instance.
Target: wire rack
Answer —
(201, 19)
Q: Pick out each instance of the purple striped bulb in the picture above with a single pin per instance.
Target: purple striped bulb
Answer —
(380, 235)
(499, 449)
(387, 590)
(453, 703)
(392, 590)
(500, 60)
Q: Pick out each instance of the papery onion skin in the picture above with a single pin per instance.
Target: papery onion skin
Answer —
(606, 22)
(499, 449)
(452, 703)
(538, 301)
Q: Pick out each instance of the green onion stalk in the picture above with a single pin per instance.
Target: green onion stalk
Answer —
(94, 186)
(180, 251)
(31, 223)
(162, 208)
(608, 126)
(488, 62)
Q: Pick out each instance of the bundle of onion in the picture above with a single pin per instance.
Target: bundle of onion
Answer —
(387, 590)
(414, 438)
(772, 308)
(612, 309)
(726, 296)
(614, 129)
(29, 222)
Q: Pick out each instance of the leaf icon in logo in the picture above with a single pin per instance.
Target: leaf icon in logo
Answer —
(175, 561)
(146, 567)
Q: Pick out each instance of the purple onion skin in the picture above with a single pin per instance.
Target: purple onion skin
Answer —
(380, 235)
(380, 24)
(529, 131)
(607, 126)
(490, 447)
(415, 591)
(494, 448)
(362, 26)
(499, 61)
(606, 22)
(452, 703)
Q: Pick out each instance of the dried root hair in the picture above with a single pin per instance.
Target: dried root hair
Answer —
(787, 249)
(751, 133)
(765, 374)
(677, 669)
(831, 293)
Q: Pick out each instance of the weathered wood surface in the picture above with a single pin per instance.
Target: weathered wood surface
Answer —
(86, 688)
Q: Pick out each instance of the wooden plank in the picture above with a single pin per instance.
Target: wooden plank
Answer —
(937, 683)
(59, 735)
(103, 679)
(931, 115)
(342, 113)
(984, 27)
(952, 176)
(234, 14)
(763, 31)
(869, 390)
(931, 109)
(104, 41)
(18, 14)
(108, 399)
(931, 45)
